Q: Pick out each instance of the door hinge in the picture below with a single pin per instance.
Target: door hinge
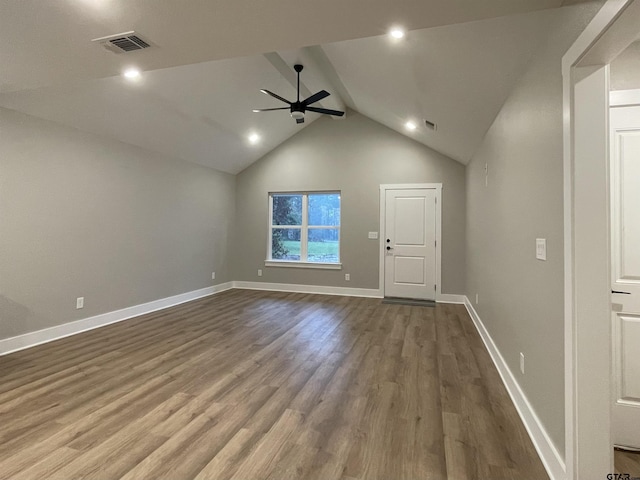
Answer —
(435, 287)
(435, 243)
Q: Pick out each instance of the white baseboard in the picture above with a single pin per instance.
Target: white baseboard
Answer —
(31, 339)
(450, 298)
(551, 459)
(319, 289)
(549, 455)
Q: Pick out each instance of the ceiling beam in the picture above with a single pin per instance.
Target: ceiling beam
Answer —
(287, 72)
(319, 57)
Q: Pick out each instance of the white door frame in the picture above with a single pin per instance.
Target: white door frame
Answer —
(383, 211)
(588, 362)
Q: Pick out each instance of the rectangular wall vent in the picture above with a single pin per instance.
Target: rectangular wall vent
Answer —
(123, 42)
(431, 125)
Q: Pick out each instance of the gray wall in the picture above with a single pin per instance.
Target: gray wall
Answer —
(84, 216)
(355, 156)
(521, 298)
(625, 69)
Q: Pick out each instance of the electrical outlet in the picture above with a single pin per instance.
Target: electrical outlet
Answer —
(347, 277)
(213, 275)
(476, 298)
(259, 272)
(79, 303)
(373, 235)
(522, 362)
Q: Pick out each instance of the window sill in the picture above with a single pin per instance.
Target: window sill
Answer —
(293, 264)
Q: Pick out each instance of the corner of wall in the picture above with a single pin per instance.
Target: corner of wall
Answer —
(551, 458)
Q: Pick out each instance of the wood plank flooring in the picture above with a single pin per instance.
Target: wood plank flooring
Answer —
(250, 385)
(627, 462)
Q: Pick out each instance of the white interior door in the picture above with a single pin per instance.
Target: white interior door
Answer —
(409, 243)
(625, 248)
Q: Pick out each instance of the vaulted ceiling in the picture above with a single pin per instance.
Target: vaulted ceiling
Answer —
(209, 59)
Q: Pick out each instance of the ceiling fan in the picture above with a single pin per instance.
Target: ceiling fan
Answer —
(298, 108)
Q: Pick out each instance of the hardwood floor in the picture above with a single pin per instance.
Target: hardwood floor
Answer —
(627, 462)
(253, 385)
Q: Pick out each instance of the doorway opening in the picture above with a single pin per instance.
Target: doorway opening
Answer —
(624, 174)
(594, 316)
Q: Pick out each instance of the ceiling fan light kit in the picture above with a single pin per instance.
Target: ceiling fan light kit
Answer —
(298, 108)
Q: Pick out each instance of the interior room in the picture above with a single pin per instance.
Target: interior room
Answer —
(304, 240)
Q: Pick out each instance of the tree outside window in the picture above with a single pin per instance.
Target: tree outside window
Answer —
(305, 227)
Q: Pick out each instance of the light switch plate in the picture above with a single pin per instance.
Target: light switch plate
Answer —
(541, 248)
(373, 235)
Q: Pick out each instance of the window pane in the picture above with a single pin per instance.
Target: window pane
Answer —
(285, 244)
(324, 209)
(287, 210)
(324, 245)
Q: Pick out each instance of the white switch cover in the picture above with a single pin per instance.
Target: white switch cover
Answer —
(373, 235)
(79, 303)
(541, 248)
(213, 275)
(259, 272)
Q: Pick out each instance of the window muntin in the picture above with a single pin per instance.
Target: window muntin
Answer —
(304, 227)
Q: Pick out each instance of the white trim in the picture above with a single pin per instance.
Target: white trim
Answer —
(318, 289)
(450, 298)
(269, 222)
(304, 228)
(551, 458)
(409, 186)
(570, 434)
(382, 207)
(579, 448)
(294, 264)
(31, 339)
(605, 17)
(624, 98)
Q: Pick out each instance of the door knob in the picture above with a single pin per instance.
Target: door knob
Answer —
(388, 240)
(388, 247)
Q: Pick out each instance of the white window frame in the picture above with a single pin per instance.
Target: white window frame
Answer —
(304, 234)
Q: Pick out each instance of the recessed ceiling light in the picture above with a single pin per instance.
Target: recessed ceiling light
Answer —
(410, 126)
(132, 74)
(396, 33)
(254, 138)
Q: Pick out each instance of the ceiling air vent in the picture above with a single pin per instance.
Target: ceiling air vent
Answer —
(123, 42)
(431, 125)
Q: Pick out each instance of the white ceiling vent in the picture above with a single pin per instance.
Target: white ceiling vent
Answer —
(123, 42)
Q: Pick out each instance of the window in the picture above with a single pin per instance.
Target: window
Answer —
(304, 229)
